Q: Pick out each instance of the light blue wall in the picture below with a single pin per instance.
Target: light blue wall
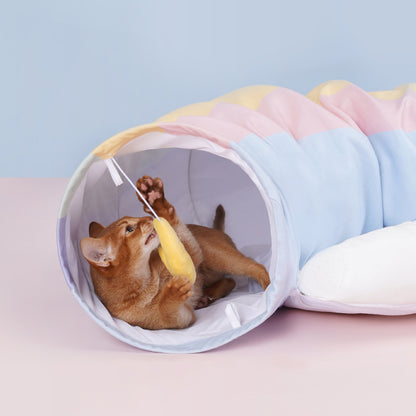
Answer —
(75, 72)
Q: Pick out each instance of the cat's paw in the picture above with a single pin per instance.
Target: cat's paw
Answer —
(151, 189)
(204, 302)
(179, 289)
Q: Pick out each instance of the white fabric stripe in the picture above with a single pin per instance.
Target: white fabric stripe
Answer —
(232, 315)
(113, 172)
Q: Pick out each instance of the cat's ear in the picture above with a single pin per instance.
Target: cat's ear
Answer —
(95, 229)
(97, 251)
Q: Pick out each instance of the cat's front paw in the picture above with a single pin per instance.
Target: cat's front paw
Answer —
(150, 188)
(153, 191)
(178, 289)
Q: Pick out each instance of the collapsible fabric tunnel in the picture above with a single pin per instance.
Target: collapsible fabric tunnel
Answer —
(295, 174)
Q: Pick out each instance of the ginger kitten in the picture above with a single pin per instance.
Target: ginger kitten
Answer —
(133, 283)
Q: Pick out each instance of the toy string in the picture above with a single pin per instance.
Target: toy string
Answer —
(135, 188)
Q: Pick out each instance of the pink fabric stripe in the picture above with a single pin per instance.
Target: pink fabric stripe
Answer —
(284, 110)
(218, 131)
(247, 118)
(298, 115)
(370, 114)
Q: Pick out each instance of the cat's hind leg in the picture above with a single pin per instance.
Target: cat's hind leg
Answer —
(221, 255)
(219, 289)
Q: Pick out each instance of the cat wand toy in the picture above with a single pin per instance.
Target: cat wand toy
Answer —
(171, 250)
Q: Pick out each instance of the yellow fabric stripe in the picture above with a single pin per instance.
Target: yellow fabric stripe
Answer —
(248, 97)
(332, 87)
(198, 109)
(327, 88)
(394, 94)
(111, 146)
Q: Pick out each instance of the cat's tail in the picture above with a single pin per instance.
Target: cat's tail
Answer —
(219, 220)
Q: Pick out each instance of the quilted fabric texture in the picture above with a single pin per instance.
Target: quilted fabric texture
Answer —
(332, 165)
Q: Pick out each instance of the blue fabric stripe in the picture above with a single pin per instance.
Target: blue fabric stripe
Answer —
(396, 153)
(329, 181)
(412, 136)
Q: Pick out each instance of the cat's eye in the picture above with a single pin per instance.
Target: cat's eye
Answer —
(129, 229)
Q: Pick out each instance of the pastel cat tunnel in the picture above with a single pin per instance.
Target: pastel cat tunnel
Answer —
(297, 175)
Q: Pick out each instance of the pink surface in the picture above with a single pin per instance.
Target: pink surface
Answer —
(56, 361)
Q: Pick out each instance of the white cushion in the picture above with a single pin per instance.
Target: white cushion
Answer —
(374, 268)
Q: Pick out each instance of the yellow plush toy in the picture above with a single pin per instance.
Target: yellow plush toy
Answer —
(172, 252)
